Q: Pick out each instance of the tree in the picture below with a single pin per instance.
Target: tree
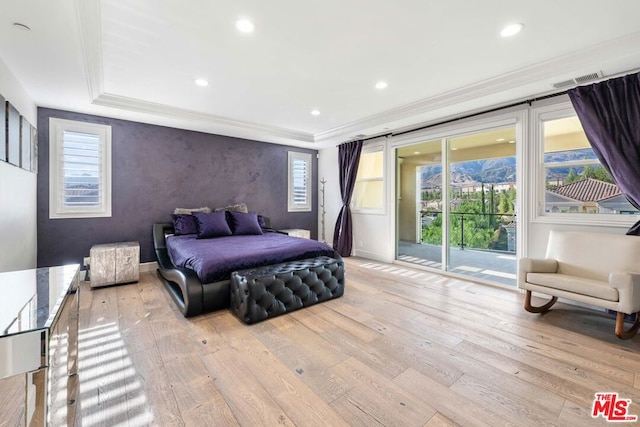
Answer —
(481, 231)
(598, 172)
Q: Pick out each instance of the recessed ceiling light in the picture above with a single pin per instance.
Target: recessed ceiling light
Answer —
(500, 139)
(202, 82)
(245, 25)
(511, 30)
(20, 26)
(381, 85)
(512, 142)
(454, 148)
(315, 113)
(416, 152)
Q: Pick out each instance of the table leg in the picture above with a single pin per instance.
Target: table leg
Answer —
(35, 402)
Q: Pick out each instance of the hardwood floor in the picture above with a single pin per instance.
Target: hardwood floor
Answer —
(402, 347)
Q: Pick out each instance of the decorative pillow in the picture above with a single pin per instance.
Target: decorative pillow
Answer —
(244, 223)
(184, 224)
(212, 225)
(189, 211)
(240, 207)
(262, 221)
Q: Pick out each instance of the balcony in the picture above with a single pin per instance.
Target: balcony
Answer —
(481, 245)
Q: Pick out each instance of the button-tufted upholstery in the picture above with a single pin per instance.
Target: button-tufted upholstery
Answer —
(260, 293)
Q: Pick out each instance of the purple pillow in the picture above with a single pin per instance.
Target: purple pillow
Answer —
(262, 221)
(212, 225)
(244, 223)
(184, 224)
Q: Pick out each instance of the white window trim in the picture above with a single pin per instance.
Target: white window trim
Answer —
(57, 210)
(537, 201)
(372, 148)
(297, 207)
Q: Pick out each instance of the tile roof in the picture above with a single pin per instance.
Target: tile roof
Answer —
(588, 190)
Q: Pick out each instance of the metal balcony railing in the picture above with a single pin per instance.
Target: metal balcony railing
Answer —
(485, 231)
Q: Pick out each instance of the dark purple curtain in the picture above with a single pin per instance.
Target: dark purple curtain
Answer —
(610, 115)
(348, 160)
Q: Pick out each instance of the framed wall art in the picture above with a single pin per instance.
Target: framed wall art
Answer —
(13, 135)
(34, 149)
(25, 144)
(3, 129)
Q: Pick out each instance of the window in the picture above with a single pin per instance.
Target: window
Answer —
(299, 188)
(79, 169)
(368, 194)
(574, 180)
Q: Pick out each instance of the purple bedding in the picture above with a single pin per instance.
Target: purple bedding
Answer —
(216, 258)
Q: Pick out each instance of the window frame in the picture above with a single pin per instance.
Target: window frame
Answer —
(368, 149)
(538, 212)
(292, 206)
(57, 208)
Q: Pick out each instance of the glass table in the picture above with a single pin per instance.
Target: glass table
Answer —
(39, 337)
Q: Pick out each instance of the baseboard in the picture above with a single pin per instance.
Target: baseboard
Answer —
(146, 267)
(370, 255)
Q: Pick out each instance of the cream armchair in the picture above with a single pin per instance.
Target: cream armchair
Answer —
(593, 268)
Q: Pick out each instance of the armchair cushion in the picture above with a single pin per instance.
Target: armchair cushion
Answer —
(576, 284)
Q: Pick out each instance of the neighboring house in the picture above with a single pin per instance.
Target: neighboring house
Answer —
(557, 203)
(618, 204)
(587, 195)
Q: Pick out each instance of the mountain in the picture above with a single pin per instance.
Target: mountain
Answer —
(435, 180)
(503, 169)
(472, 172)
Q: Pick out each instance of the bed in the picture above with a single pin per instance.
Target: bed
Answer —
(197, 272)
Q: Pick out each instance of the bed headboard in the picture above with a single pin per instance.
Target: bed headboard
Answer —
(160, 232)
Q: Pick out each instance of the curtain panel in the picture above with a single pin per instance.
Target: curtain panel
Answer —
(610, 115)
(348, 161)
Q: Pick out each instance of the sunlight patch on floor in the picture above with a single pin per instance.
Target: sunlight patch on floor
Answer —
(392, 270)
(110, 391)
(499, 274)
(467, 268)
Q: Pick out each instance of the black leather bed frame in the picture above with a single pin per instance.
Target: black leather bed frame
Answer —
(258, 293)
(183, 284)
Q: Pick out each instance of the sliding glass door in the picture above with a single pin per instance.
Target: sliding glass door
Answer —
(482, 195)
(419, 204)
(456, 212)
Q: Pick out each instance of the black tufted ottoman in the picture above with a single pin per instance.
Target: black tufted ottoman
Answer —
(260, 293)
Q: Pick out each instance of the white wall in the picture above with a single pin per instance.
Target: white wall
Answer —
(18, 244)
(372, 237)
(371, 232)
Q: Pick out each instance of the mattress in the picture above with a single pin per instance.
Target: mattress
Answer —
(216, 258)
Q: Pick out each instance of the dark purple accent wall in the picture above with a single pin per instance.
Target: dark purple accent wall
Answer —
(156, 169)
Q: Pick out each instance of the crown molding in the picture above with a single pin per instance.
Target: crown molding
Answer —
(90, 33)
(141, 106)
(616, 48)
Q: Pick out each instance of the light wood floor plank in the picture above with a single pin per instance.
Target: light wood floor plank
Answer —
(12, 401)
(378, 398)
(446, 401)
(251, 403)
(492, 395)
(439, 420)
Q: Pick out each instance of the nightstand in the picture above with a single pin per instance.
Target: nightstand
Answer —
(296, 232)
(114, 263)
